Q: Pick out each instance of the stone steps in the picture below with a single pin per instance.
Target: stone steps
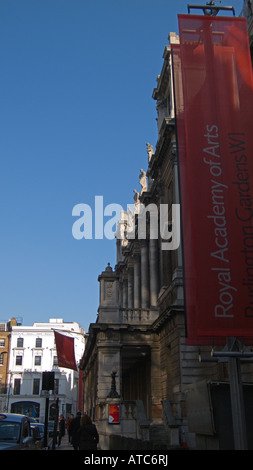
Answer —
(162, 438)
(159, 436)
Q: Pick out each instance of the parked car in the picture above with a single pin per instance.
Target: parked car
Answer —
(37, 430)
(33, 420)
(15, 432)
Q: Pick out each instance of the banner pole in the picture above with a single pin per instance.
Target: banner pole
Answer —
(237, 399)
(46, 419)
(55, 424)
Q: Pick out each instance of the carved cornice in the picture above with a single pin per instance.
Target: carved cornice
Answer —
(163, 78)
(167, 136)
(166, 316)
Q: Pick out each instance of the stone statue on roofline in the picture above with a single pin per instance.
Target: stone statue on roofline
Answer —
(150, 151)
(143, 181)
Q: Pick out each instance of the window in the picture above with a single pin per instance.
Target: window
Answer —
(26, 430)
(9, 431)
(17, 383)
(19, 360)
(38, 343)
(68, 409)
(28, 408)
(55, 361)
(37, 361)
(20, 342)
(2, 342)
(1, 359)
(3, 388)
(36, 386)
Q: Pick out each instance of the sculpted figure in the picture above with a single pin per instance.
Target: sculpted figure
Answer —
(150, 151)
(143, 181)
(136, 197)
(130, 222)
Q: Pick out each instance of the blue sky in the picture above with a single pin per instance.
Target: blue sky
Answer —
(76, 112)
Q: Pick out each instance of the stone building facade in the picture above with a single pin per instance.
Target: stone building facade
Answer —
(33, 352)
(139, 336)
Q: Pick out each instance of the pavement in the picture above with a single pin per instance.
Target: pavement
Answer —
(65, 444)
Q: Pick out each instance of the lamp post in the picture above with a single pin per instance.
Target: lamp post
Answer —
(113, 392)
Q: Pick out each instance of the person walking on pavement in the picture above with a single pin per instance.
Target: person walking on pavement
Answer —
(87, 434)
(68, 424)
(73, 428)
(61, 428)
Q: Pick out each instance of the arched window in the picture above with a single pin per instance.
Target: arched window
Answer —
(28, 408)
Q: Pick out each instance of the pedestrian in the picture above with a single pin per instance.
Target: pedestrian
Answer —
(87, 434)
(68, 425)
(61, 428)
(73, 428)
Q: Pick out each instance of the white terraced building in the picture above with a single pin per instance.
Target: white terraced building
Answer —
(33, 351)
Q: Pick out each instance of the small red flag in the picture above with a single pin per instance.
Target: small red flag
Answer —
(65, 351)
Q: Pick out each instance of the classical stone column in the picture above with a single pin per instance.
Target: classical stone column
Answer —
(137, 281)
(153, 272)
(120, 293)
(124, 296)
(144, 275)
(130, 287)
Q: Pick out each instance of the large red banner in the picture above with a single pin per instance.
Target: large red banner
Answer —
(214, 107)
(65, 351)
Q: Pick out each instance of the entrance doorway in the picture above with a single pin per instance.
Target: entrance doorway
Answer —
(135, 364)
